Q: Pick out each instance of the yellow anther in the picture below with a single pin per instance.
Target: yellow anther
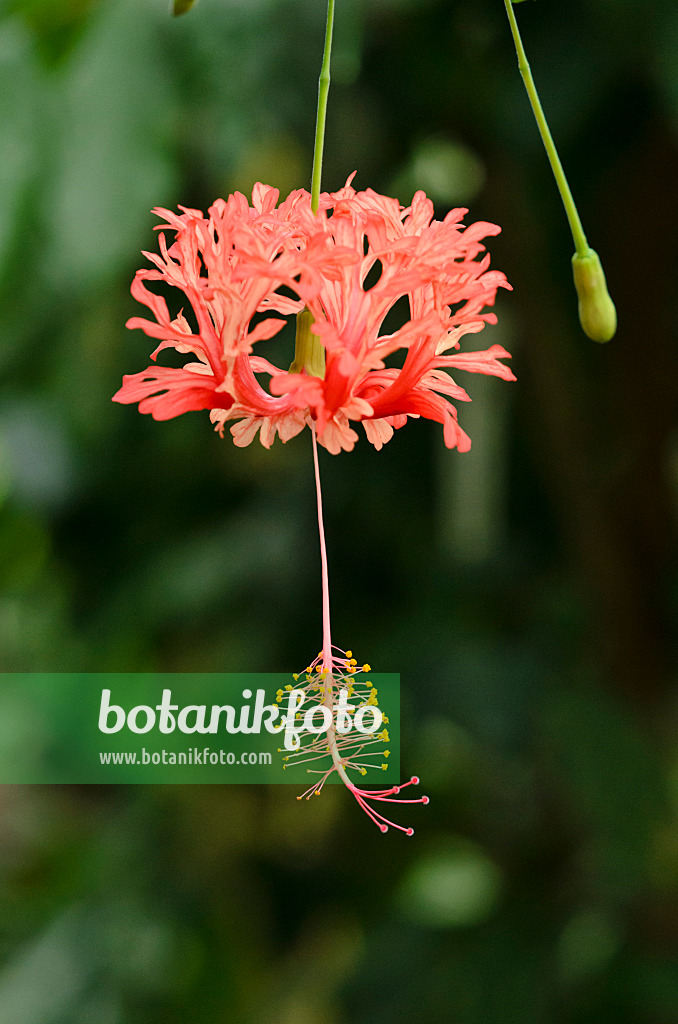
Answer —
(383, 735)
(289, 686)
(384, 767)
(295, 676)
(349, 654)
(366, 668)
(385, 719)
(363, 771)
(387, 753)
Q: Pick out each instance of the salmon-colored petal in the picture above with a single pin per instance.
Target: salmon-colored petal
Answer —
(392, 291)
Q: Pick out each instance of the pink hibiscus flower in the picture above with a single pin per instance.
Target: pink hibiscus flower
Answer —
(245, 261)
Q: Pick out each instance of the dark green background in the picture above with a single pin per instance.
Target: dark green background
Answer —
(526, 592)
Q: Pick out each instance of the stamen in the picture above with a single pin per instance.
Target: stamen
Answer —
(348, 752)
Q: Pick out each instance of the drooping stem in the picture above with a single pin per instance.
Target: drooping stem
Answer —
(323, 91)
(327, 638)
(580, 242)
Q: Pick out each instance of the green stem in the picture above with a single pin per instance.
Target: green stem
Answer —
(309, 355)
(581, 245)
(323, 90)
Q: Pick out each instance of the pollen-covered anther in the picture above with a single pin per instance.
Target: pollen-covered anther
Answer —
(349, 751)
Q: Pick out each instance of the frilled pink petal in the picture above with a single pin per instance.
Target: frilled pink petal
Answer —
(266, 329)
(303, 391)
(264, 197)
(378, 432)
(349, 263)
(337, 436)
(286, 426)
(481, 362)
(166, 392)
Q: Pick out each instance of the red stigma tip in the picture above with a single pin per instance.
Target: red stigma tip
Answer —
(425, 800)
(415, 780)
(409, 832)
(384, 828)
(396, 789)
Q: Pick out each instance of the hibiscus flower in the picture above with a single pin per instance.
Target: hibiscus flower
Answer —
(340, 271)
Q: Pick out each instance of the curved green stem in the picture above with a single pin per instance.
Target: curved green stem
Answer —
(323, 90)
(581, 245)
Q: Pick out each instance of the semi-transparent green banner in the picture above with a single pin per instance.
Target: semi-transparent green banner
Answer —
(195, 728)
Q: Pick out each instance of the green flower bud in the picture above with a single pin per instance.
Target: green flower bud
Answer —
(181, 6)
(597, 314)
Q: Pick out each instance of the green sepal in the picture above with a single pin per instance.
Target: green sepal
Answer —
(309, 354)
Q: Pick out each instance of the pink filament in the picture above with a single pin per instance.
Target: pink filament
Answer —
(327, 639)
(330, 663)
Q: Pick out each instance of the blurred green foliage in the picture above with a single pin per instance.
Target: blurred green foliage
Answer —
(525, 592)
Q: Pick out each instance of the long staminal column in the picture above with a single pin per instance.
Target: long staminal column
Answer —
(327, 675)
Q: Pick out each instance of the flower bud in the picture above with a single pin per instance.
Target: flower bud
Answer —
(597, 314)
(181, 6)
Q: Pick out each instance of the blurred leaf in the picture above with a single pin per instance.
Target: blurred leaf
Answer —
(587, 945)
(455, 886)
(448, 171)
(57, 26)
(113, 155)
(21, 87)
(613, 781)
(44, 981)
